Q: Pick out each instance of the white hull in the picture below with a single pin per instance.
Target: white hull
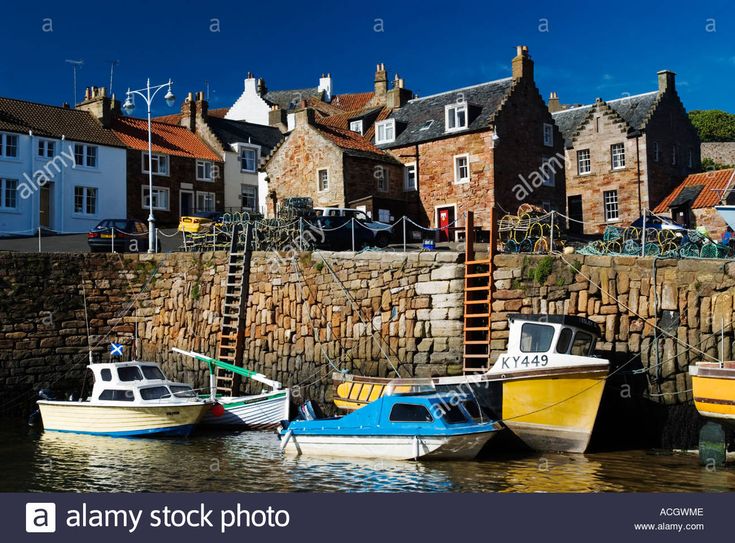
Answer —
(389, 447)
(119, 420)
(260, 412)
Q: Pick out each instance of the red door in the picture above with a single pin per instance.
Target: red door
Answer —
(446, 218)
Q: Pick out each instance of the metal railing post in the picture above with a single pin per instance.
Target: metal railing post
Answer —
(39, 239)
(113, 239)
(301, 234)
(352, 222)
(551, 236)
(643, 235)
(404, 233)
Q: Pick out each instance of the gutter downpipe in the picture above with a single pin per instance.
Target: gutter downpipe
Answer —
(638, 173)
(33, 228)
(60, 191)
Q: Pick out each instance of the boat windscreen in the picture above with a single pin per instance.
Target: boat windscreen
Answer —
(536, 338)
(153, 373)
(454, 415)
(154, 393)
(129, 373)
(583, 344)
(183, 391)
(399, 387)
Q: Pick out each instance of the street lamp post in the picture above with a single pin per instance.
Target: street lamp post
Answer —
(129, 107)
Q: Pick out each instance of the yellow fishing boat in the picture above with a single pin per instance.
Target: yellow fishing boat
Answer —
(713, 387)
(546, 388)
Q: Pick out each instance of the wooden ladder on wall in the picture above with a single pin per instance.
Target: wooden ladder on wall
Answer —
(478, 298)
(232, 334)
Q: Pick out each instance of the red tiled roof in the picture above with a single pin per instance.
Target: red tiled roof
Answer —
(346, 139)
(713, 184)
(351, 102)
(167, 138)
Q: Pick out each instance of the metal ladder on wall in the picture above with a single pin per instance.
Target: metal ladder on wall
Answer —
(478, 299)
(232, 334)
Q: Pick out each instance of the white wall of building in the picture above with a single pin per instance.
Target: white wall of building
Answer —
(235, 177)
(250, 106)
(61, 175)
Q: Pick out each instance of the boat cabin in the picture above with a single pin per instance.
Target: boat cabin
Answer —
(139, 382)
(552, 334)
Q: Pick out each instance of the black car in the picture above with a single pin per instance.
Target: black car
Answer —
(122, 235)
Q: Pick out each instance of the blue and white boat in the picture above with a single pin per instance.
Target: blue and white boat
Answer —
(397, 427)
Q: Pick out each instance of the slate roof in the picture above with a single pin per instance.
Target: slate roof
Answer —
(230, 132)
(712, 183)
(484, 101)
(54, 122)
(290, 99)
(168, 138)
(633, 110)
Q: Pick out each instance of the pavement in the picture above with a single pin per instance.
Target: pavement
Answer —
(74, 243)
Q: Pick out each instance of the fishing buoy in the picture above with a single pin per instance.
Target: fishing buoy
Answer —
(218, 410)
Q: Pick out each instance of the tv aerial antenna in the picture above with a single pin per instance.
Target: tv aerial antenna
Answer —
(75, 65)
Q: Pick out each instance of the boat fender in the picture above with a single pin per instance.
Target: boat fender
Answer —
(217, 410)
(46, 394)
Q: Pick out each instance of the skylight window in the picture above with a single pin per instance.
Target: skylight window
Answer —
(427, 124)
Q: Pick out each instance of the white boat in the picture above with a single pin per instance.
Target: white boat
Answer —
(254, 412)
(128, 399)
(727, 212)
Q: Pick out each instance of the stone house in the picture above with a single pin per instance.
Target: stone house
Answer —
(469, 149)
(692, 203)
(720, 152)
(241, 145)
(625, 155)
(336, 168)
(60, 169)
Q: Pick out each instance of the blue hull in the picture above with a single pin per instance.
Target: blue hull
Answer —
(172, 431)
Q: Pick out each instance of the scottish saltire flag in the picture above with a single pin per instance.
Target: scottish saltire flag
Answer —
(116, 349)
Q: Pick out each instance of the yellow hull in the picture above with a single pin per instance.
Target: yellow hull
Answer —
(554, 413)
(714, 397)
(123, 421)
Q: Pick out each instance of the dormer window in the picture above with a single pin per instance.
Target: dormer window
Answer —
(455, 117)
(385, 131)
(356, 126)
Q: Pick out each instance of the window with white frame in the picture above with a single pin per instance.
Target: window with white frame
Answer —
(617, 155)
(205, 170)
(610, 199)
(248, 159)
(160, 198)
(656, 152)
(548, 135)
(548, 172)
(85, 155)
(674, 155)
(8, 145)
(455, 116)
(46, 148)
(383, 178)
(249, 197)
(322, 179)
(159, 164)
(205, 201)
(584, 162)
(356, 126)
(462, 169)
(8, 193)
(410, 179)
(85, 200)
(385, 131)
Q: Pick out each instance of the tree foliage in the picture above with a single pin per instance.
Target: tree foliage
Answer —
(713, 124)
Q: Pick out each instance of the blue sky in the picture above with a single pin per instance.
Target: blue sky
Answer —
(604, 49)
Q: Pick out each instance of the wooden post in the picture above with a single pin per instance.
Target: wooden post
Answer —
(469, 237)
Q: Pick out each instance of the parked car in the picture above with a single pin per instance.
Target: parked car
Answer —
(127, 235)
(332, 226)
(199, 221)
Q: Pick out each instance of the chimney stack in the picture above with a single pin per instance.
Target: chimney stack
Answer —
(381, 81)
(98, 104)
(522, 64)
(553, 103)
(325, 85)
(666, 81)
(261, 88)
(195, 108)
(303, 117)
(277, 117)
(398, 95)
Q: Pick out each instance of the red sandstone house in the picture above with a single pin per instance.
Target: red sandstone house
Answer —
(329, 157)
(625, 155)
(692, 203)
(471, 148)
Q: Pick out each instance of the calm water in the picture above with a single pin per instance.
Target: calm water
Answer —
(251, 462)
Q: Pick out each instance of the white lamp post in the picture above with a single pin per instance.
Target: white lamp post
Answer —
(129, 107)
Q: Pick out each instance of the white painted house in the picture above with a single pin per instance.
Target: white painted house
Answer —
(258, 105)
(242, 145)
(59, 169)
